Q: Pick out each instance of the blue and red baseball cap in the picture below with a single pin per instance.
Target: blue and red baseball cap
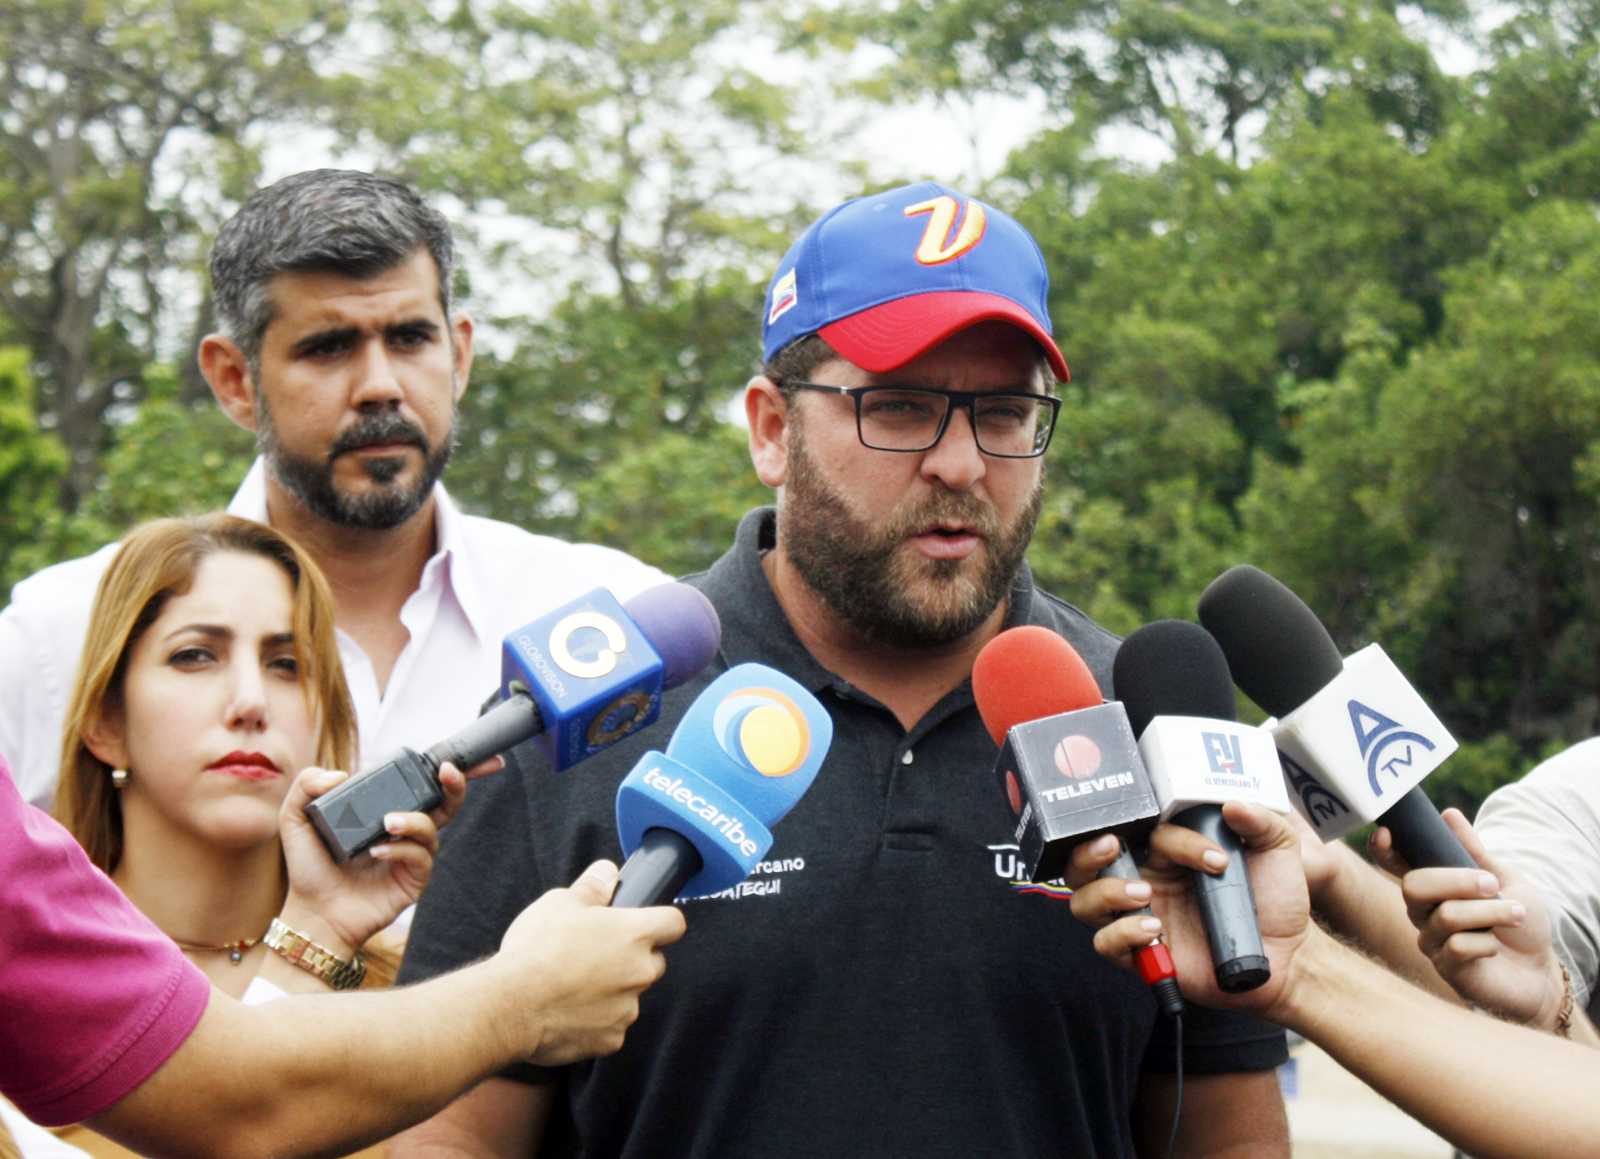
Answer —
(886, 278)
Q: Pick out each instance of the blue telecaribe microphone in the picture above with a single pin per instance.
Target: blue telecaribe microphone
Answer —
(697, 819)
(580, 679)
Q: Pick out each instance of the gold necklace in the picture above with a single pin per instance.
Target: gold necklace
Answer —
(234, 950)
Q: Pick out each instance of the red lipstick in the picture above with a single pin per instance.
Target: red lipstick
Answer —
(246, 766)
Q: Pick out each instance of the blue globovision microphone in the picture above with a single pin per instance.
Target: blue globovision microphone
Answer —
(580, 679)
(697, 819)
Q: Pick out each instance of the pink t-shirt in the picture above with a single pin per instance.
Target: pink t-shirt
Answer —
(93, 998)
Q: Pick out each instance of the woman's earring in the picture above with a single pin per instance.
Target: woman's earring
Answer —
(119, 778)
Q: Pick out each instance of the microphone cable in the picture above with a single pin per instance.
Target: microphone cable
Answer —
(1177, 1107)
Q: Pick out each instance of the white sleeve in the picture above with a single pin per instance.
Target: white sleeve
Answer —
(33, 706)
(1548, 824)
(41, 642)
(32, 1140)
(17, 708)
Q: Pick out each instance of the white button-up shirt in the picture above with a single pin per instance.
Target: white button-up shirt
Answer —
(484, 580)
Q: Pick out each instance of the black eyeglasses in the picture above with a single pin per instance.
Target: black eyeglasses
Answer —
(907, 418)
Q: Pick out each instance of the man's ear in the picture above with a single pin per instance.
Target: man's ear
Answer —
(768, 413)
(227, 370)
(103, 736)
(461, 352)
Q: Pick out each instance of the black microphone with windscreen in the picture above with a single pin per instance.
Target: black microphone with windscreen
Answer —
(1172, 668)
(1374, 733)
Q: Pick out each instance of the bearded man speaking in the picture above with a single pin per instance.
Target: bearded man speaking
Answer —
(880, 986)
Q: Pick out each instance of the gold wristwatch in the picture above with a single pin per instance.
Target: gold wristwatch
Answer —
(314, 959)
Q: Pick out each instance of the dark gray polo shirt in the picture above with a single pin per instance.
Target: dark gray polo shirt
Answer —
(879, 986)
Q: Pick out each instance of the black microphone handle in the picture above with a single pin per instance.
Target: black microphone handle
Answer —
(1421, 835)
(657, 870)
(1125, 866)
(503, 727)
(1228, 906)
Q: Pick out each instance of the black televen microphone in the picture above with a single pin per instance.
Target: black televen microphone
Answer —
(1173, 671)
(1069, 767)
(1355, 738)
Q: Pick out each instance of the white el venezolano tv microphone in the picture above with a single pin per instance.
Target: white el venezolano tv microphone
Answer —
(1174, 682)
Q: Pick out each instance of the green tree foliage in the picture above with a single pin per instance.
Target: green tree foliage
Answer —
(675, 501)
(596, 384)
(1191, 73)
(31, 464)
(124, 127)
(1355, 348)
(171, 457)
(662, 176)
(1471, 481)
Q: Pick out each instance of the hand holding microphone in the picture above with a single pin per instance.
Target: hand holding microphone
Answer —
(579, 679)
(1068, 765)
(579, 966)
(1277, 881)
(1486, 931)
(340, 905)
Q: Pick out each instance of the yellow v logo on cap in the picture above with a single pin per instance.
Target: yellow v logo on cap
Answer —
(937, 246)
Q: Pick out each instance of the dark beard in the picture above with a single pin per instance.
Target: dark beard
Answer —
(870, 581)
(386, 506)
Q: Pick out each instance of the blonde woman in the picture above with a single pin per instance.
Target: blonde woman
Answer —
(210, 679)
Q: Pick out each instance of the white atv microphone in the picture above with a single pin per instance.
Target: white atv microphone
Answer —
(1354, 737)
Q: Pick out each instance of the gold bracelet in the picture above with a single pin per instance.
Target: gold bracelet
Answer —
(1564, 1012)
(314, 959)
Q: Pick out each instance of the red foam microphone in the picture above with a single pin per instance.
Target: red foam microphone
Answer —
(1027, 673)
(1069, 765)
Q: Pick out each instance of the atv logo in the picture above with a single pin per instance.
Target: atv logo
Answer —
(1376, 734)
(1320, 806)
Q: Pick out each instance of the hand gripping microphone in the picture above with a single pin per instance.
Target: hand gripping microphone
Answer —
(580, 679)
(1174, 681)
(696, 820)
(1068, 765)
(1354, 737)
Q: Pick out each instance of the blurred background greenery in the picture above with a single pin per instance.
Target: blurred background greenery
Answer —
(1338, 314)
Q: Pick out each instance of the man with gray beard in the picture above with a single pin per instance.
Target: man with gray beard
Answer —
(885, 984)
(339, 347)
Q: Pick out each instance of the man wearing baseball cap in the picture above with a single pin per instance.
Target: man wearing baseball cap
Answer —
(884, 984)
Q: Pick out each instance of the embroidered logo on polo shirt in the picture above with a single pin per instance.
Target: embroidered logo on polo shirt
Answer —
(762, 882)
(1008, 867)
